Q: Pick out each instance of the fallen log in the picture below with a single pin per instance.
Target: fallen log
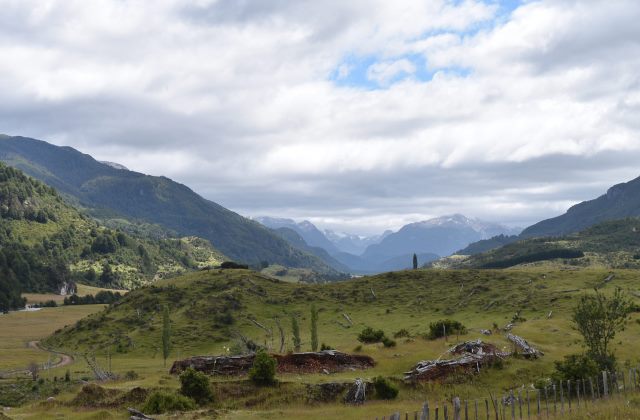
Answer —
(138, 415)
(526, 349)
(474, 347)
(310, 362)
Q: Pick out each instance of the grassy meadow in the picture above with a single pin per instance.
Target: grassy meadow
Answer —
(209, 308)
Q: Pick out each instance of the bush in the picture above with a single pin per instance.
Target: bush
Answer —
(161, 402)
(195, 385)
(131, 375)
(402, 333)
(263, 371)
(575, 367)
(437, 329)
(384, 389)
(387, 342)
(326, 347)
(369, 335)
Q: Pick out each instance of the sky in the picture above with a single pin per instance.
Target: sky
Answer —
(357, 115)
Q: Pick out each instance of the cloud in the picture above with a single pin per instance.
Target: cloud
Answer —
(360, 113)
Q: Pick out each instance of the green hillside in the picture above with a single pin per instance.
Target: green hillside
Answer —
(614, 244)
(108, 193)
(45, 242)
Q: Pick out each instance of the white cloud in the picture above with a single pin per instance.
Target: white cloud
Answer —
(236, 99)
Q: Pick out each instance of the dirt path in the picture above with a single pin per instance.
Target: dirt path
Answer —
(65, 359)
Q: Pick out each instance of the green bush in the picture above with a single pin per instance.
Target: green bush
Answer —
(437, 329)
(324, 346)
(162, 401)
(575, 367)
(384, 389)
(402, 333)
(131, 375)
(263, 371)
(369, 335)
(387, 342)
(195, 385)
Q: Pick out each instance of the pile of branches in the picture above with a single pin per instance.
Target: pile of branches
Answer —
(524, 348)
(473, 355)
(311, 362)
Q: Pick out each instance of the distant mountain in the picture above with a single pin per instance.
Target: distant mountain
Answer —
(614, 244)
(353, 244)
(442, 236)
(485, 245)
(620, 201)
(109, 193)
(307, 230)
(295, 239)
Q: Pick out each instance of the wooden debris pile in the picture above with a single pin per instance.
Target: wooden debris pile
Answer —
(474, 347)
(473, 355)
(311, 362)
(317, 362)
(524, 348)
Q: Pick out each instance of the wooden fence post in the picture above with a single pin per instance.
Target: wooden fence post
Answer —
(425, 411)
(593, 398)
(475, 416)
(495, 408)
(569, 393)
(528, 406)
(520, 403)
(561, 398)
(546, 400)
(584, 392)
(578, 392)
(513, 405)
(466, 410)
(486, 404)
(605, 385)
(445, 407)
(436, 411)
(624, 383)
(456, 408)
(555, 399)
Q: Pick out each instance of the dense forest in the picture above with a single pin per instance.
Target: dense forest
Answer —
(44, 242)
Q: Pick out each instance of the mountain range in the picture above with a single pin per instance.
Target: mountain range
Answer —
(390, 251)
(111, 192)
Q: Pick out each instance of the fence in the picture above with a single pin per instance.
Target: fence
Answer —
(556, 399)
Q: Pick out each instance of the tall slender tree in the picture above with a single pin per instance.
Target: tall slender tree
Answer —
(166, 334)
(314, 328)
(295, 331)
(415, 262)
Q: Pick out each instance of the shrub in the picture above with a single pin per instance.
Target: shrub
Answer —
(369, 335)
(326, 347)
(131, 375)
(402, 333)
(437, 329)
(195, 385)
(358, 348)
(387, 342)
(161, 402)
(575, 367)
(384, 389)
(263, 371)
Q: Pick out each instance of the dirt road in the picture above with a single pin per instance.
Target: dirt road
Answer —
(65, 359)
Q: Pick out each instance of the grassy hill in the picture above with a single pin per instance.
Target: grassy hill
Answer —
(209, 309)
(109, 193)
(614, 244)
(45, 242)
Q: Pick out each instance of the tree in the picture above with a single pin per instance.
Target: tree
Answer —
(598, 319)
(295, 331)
(314, 328)
(107, 276)
(415, 262)
(194, 384)
(166, 334)
(263, 371)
